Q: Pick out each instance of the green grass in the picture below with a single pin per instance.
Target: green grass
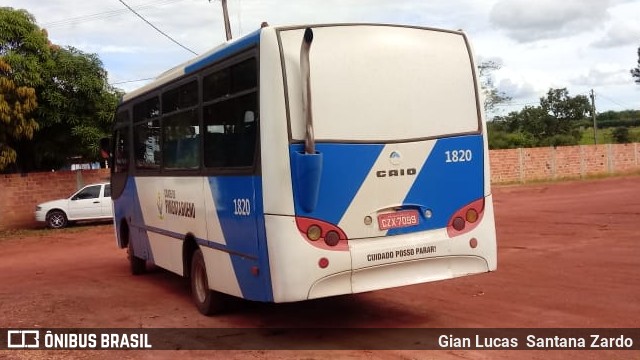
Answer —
(605, 137)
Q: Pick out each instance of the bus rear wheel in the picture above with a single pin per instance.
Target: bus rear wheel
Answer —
(207, 301)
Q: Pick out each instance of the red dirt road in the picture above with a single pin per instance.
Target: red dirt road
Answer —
(569, 255)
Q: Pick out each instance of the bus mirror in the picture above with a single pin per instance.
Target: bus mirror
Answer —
(105, 147)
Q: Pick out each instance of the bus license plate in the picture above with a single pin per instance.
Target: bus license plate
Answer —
(398, 219)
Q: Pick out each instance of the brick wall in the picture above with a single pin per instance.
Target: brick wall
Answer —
(522, 165)
(19, 193)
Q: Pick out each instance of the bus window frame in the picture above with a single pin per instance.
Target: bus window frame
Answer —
(227, 62)
(186, 79)
(135, 169)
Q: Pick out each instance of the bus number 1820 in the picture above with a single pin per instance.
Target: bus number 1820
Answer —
(242, 207)
(458, 156)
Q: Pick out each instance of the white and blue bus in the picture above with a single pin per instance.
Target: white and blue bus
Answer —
(303, 162)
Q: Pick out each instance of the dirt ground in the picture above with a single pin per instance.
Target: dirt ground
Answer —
(568, 257)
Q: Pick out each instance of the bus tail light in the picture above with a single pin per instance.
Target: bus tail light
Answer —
(466, 218)
(314, 232)
(322, 234)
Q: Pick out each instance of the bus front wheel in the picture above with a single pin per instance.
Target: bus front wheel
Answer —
(138, 266)
(207, 301)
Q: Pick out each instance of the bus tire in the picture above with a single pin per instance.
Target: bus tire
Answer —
(138, 266)
(207, 301)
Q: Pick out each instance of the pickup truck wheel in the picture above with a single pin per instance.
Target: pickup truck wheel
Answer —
(57, 219)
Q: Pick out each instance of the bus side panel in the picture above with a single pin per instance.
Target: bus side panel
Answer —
(172, 209)
(238, 205)
(221, 216)
(274, 140)
(127, 210)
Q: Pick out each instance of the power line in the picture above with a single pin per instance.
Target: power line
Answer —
(104, 14)
(516, 104)
(130, 81)
(615, 102)
(158, 30)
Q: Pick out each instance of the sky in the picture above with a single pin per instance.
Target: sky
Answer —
(541, 44)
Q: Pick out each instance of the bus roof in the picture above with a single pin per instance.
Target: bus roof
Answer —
(230, 47)
(217, 53)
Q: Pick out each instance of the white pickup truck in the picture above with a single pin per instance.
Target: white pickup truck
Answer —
(92, 202)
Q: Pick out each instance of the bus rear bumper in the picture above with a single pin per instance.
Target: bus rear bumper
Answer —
(403, 273)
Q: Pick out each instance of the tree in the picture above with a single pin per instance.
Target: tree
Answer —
(492, 96)
(555, 122)
(23, 49)
(16, 105)
(75, 104)
(636, 71)
(621, 135)
(76, 110)
(565, 111)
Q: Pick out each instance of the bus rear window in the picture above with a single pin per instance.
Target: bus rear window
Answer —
(383, 83)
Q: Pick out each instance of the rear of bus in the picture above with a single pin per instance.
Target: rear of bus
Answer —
(399, 192)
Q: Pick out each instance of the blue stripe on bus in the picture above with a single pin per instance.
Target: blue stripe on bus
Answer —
(203, 242)
(445, 187)
(345, 167)
(227, 50)
(442, 187)
(243, 233)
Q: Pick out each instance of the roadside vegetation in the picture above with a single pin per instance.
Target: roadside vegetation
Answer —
(55, 101)
(562, 120)
(559, 120)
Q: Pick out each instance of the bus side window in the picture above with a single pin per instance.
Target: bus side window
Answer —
(245, 147)
(230, 132)
(230, 115)
(181, 140)
(121, 155)
(146, 137)
(214, 149)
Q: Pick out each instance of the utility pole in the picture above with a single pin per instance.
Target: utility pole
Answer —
(227, 26)
(593, 112)
(225, 13)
